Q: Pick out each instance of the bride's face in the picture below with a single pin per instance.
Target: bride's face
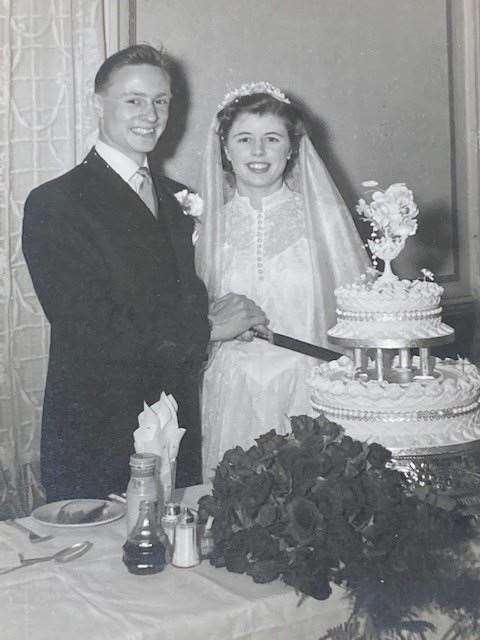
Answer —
(258, 147)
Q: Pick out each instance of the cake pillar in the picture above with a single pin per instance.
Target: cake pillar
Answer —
(425, 364)
(360, 360)
(379, 364)
(405, 358)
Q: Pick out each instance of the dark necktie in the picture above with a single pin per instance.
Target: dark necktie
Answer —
(146, 190)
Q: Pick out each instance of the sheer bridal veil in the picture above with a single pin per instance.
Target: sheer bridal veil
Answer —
(336, 250)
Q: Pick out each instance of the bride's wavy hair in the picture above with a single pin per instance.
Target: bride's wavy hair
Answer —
(261, 104)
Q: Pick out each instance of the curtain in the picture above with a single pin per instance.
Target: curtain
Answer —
(49, 53)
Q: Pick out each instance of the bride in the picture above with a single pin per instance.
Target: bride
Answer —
(275, 229)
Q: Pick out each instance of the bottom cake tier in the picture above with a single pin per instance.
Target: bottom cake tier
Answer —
(422, 417)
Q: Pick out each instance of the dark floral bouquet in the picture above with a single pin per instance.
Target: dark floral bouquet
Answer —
(317, 507)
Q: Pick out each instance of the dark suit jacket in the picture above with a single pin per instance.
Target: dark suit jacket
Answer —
(128, 318)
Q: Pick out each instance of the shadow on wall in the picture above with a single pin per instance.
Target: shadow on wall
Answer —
(177, 122)
(435, 245)
(322, 141)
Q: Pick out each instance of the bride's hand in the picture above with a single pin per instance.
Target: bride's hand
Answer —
(258, 331)
(232, 315)
(262, 331)
(246, 336)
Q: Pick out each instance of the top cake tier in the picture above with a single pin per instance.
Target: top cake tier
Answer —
(390, 313)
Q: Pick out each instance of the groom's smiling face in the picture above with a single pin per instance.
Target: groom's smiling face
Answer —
(133, 109)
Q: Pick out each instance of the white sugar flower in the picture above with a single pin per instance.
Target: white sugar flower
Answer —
(391, 212)
(427, 274)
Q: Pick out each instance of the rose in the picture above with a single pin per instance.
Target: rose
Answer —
(255, 493)
(270, 441)
(305, 471)
(401, 194)
(306, 521)
(235, 552)
(265, 570)
(302, 426)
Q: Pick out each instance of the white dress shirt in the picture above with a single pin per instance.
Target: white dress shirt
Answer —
(121, 164)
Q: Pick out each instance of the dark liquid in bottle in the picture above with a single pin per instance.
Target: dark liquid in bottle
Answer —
(145, 558)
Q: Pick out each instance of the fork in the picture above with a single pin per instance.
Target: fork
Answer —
(33, 537)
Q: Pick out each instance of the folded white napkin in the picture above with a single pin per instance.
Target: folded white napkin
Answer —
(159, 433)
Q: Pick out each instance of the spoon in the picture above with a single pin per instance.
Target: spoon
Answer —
(64, 555)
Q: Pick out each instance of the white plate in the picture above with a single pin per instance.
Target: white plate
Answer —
(47, 513)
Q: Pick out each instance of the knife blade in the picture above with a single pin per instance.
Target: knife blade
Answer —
(308, 349)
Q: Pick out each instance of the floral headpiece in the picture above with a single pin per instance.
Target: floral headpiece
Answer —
(251, 88)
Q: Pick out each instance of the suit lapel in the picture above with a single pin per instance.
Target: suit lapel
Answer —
(179, 225)
(108, 193)
(112, 190)
(111, 196)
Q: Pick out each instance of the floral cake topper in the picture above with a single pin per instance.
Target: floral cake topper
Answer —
(392, 214)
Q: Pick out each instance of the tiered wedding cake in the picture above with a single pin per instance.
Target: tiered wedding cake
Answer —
(414, 406)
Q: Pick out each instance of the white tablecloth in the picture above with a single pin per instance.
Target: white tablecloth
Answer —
(95, 598)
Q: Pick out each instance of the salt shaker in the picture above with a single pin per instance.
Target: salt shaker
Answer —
(186, 550)
(170, 518)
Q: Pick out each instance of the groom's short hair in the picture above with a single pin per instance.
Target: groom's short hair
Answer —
(134, 55)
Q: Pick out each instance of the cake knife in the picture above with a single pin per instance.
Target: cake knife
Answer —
(306, 348)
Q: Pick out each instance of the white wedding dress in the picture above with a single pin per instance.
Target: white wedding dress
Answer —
(251, 387)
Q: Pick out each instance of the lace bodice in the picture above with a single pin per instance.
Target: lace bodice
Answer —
(266, 257)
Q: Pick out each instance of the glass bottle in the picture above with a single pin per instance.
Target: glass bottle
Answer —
(207, 543)
(144, 552)
(142, 485)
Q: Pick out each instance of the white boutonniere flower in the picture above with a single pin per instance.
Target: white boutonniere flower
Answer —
(192, 205)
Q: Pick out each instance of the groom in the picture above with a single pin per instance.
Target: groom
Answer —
(110, 254)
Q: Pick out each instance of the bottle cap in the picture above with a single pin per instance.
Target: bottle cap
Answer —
(187, 516)
(172, 509)
(142, 461)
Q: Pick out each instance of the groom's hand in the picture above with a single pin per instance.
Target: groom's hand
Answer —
(232, 315)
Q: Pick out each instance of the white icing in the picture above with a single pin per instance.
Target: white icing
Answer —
(394, 330)
(457, 384)
(389, 310)
(410, 412)
(389, 296)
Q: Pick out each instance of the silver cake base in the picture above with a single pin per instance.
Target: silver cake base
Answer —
(452, 470)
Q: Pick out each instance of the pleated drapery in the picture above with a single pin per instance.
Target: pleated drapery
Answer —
(49, 53)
